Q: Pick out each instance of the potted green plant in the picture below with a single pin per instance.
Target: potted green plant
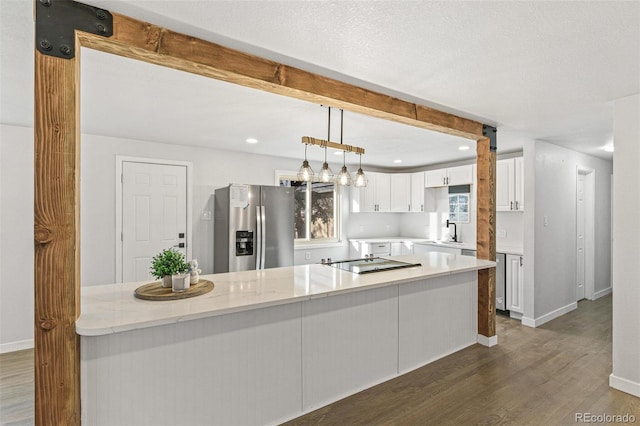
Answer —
(167, 263)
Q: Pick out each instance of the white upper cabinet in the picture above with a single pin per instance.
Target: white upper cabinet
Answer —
(394, 192)
(510, 185)
(461, 175)
(400, 192)
(417, 192)
(375, 197)
(435, 178)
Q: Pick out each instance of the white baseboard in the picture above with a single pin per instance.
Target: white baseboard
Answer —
(529, 322)
(599, 294)
(537, 322)
(487, 341)
(624, 385)
(16, 346)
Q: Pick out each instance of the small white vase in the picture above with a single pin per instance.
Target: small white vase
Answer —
(179, 282)
(195, 277)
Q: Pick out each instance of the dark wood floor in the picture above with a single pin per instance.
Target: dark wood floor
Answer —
(535, 376)
(16, 388)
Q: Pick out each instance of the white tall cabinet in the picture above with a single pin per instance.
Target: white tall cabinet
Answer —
(510, 185)
(515, 283)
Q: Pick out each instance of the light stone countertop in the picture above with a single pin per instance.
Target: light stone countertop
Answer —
(112, 308)
(500, 247)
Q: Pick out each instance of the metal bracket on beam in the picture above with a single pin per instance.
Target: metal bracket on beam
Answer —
(57, 20)
(490, 132)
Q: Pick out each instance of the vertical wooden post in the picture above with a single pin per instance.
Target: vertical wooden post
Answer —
(486, 236)
(57, 241)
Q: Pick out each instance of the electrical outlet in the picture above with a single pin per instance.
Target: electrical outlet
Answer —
(307, 255)
(361, 228)
(546, 220)
(206, 215)
(502, 233)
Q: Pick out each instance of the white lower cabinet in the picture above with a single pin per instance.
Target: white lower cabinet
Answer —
(401, 247)
(427, 248)
(362, 249)
(515, 283)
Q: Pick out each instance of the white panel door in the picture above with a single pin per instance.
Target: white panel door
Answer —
(580, 243)
(154, 214)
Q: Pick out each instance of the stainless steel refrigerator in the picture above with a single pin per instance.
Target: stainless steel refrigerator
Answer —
(253, 228)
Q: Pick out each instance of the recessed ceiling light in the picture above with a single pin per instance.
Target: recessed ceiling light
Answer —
(608, 148)
(252, 140)
(397, 161)
(464, 147)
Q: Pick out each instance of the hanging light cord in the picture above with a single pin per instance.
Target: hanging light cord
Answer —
(344, 153)
(328, 134)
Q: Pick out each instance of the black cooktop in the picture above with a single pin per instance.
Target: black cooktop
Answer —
(370, 264)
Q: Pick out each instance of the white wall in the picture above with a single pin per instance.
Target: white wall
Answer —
(16, 238)
(555, 171)
(626, 247)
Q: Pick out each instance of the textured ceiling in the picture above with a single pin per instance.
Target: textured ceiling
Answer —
(543, 70)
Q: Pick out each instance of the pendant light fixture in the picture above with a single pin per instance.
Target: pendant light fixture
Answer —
(326, 175)
(305, 173)
(361, 179)
(344, 178)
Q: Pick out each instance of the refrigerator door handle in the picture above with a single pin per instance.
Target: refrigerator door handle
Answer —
(258, 237)
(263, 240)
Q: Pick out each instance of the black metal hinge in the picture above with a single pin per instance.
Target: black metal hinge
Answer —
(57, 20)
(491, 133)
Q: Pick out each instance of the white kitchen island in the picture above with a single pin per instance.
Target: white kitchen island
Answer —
(267, 346)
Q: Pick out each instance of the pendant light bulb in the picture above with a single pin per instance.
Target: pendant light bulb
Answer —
(344, 178)
(305, 173)
(325, 175)
(361, 179)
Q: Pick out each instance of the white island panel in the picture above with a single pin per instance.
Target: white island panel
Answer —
(236, 369)
(436, 318)
(349, 343)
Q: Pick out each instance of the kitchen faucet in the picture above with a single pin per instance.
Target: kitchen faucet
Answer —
(455, 231)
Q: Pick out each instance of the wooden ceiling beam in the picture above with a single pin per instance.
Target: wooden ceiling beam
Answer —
(140, 40)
